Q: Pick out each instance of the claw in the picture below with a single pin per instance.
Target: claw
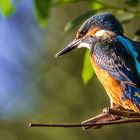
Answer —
(103, 117)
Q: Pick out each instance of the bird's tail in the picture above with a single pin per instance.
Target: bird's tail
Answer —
(133, 95)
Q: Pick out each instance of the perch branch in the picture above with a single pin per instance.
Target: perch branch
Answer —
(127, 117)
(122, 121)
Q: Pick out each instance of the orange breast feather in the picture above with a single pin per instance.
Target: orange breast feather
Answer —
(112, 87)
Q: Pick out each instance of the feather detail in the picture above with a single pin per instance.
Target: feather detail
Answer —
(132, 51)
(113, 88)
(112, 56)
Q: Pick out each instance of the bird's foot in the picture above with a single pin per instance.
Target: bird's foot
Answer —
(110, 115)
(105, 116)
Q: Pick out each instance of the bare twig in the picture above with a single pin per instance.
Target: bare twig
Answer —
(122, 121)
(99, 121)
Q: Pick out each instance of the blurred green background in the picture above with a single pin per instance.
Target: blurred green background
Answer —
(39, 88)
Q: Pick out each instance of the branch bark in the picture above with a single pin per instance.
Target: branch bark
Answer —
(127, 117)
(122, 121)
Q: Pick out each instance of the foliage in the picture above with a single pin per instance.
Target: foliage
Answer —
(126, 11)
(70, 25)
(42, 10)
(86, 76)
(7, 8)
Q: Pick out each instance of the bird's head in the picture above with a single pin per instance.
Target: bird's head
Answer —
(93, 28)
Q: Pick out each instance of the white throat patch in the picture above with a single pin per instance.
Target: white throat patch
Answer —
(84, 45)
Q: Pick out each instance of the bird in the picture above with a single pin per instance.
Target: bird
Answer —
(115, 59)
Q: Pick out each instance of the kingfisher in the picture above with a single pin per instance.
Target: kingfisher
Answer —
(115, 59)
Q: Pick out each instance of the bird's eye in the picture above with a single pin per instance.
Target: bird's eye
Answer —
(84, 31)
(81, 33)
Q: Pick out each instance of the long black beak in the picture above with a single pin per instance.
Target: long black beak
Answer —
(71, 46)
(86, 42)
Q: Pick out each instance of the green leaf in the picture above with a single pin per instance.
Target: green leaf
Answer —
(87, 71)
(126, 17)
(95, 5)
(59, 2)
(6, 7)
(42, 10)
(72, 24)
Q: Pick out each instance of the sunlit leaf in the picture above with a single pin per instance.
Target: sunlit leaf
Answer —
(42, 10)
(87, 71)
(6, 7)
(58, 2)
(95, 5)
(126, 17)
(72, 24)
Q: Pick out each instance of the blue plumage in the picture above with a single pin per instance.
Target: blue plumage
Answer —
(119, 56)
(132, 93)
(116, 58)
(132, 51)
(113, 57)
(105, 21)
